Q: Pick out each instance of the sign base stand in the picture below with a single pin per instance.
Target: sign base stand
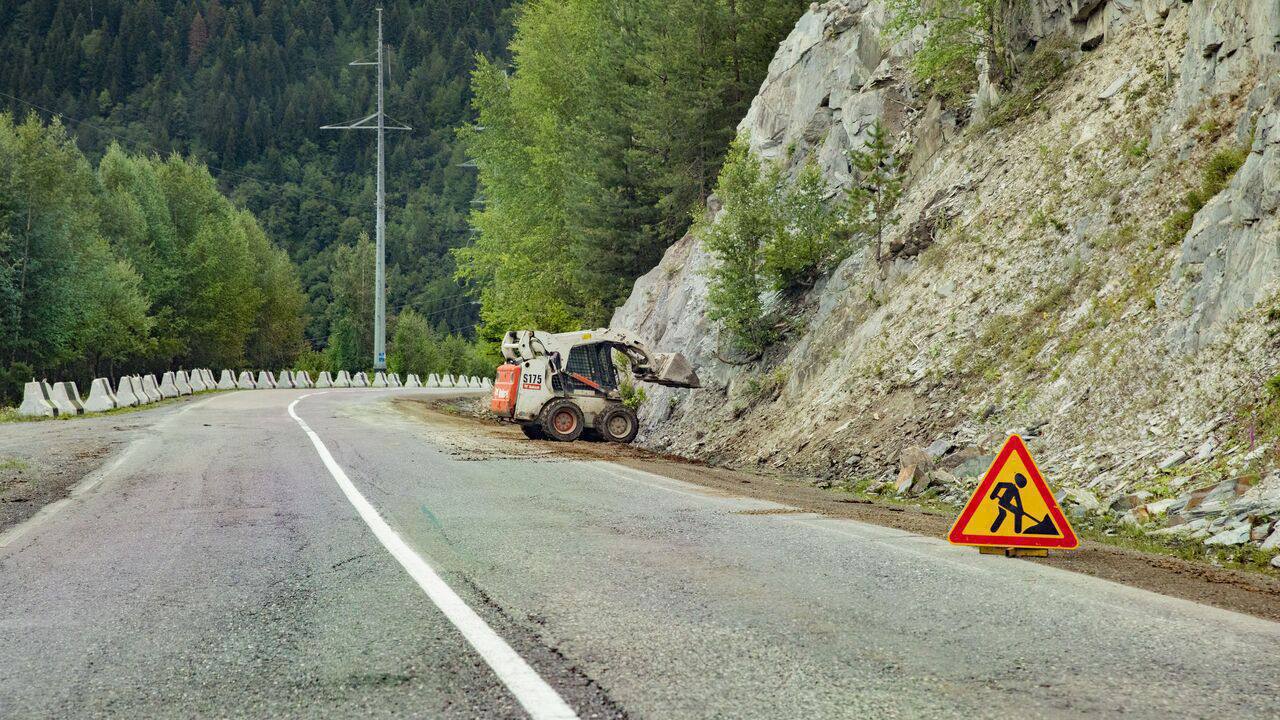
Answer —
(1014, 552)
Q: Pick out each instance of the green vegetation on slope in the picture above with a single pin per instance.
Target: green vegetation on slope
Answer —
(595, 146)
(142, 264)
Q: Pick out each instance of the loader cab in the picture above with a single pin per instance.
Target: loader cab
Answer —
(588, 369)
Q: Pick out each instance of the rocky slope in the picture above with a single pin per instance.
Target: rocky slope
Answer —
(1046, 276)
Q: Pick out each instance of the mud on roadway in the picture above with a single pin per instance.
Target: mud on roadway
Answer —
(460, 427)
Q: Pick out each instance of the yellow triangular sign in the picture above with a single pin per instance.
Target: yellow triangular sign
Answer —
(1013, 507)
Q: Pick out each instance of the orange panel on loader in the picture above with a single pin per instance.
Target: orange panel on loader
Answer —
(505, 387)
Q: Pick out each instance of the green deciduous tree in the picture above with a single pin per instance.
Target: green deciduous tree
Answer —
(143, 263)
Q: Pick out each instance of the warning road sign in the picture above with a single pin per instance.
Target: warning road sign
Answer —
(1013, 507)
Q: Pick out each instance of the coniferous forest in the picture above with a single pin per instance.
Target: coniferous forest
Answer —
(558, 146)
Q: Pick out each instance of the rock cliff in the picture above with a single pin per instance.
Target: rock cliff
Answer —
(1049, 273)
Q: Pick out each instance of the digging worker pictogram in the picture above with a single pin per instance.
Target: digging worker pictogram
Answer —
(1008, 497)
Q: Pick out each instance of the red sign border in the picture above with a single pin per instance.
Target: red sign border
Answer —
(1068, 541)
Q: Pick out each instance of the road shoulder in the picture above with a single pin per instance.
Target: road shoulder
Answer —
(468, 437)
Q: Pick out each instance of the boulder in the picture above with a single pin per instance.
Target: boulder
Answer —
(150, 389)
(35, 403)
(101, 399)
(264, 381)
(915, 456)
(1237, 534)
(168, 386)
(1273, 540)
(182, 382)
(227, 381)
(66, 397)
(245, 381)
(908, 477)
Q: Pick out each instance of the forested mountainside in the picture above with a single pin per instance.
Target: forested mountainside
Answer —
(598, 142)
(245, 87)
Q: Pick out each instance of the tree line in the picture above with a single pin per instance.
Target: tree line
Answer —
(137, 264)
(245, 86)
(596, 143)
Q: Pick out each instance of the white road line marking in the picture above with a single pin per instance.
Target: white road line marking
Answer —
(538, 698)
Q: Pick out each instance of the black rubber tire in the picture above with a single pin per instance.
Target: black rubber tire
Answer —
(533, 431)
(619, 424)
(562, 420)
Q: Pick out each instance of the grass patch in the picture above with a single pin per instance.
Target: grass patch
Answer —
(1214, 176)
(1050, 61)
(13, 463)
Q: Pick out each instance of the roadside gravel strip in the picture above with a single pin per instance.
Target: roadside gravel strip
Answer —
(533, 693)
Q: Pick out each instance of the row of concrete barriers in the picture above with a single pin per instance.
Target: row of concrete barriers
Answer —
(40, 399)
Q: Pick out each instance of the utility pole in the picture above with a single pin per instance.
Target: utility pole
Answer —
(380, 291)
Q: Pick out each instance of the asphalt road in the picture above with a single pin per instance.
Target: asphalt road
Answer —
(222, 566)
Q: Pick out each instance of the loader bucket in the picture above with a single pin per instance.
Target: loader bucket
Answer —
(673, 370)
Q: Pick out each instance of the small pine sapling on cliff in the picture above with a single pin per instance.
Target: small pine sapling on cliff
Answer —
(877, 185)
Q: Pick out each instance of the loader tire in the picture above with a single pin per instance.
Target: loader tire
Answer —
(562, 420)
(533, 431)
(619, 424)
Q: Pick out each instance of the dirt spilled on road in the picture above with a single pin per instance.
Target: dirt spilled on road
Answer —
(459, 426)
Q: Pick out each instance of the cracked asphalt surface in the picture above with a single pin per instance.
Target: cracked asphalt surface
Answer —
(218, 571)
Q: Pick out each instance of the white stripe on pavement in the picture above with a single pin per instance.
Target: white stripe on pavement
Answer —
(539, 699)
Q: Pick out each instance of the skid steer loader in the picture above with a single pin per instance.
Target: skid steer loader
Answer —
(562, 385)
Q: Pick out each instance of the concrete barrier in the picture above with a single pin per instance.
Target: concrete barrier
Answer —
(66, 397)
(446, 380)
(433, 380)
(35, 403)
(284, 380)
(474, 382)
(302, 379)
(342, 379)
(196, 382)
(182, 382)
(486, 383)
(393, 380)
(144, 395)
(168, 386)
(125, 397)
(146, 389)
(101, 399)
(324, 380)
(412, 381)
(380, 380)
(227, 381)
(245, 381)
(208, 379)
(264, 381)
(360, 380)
